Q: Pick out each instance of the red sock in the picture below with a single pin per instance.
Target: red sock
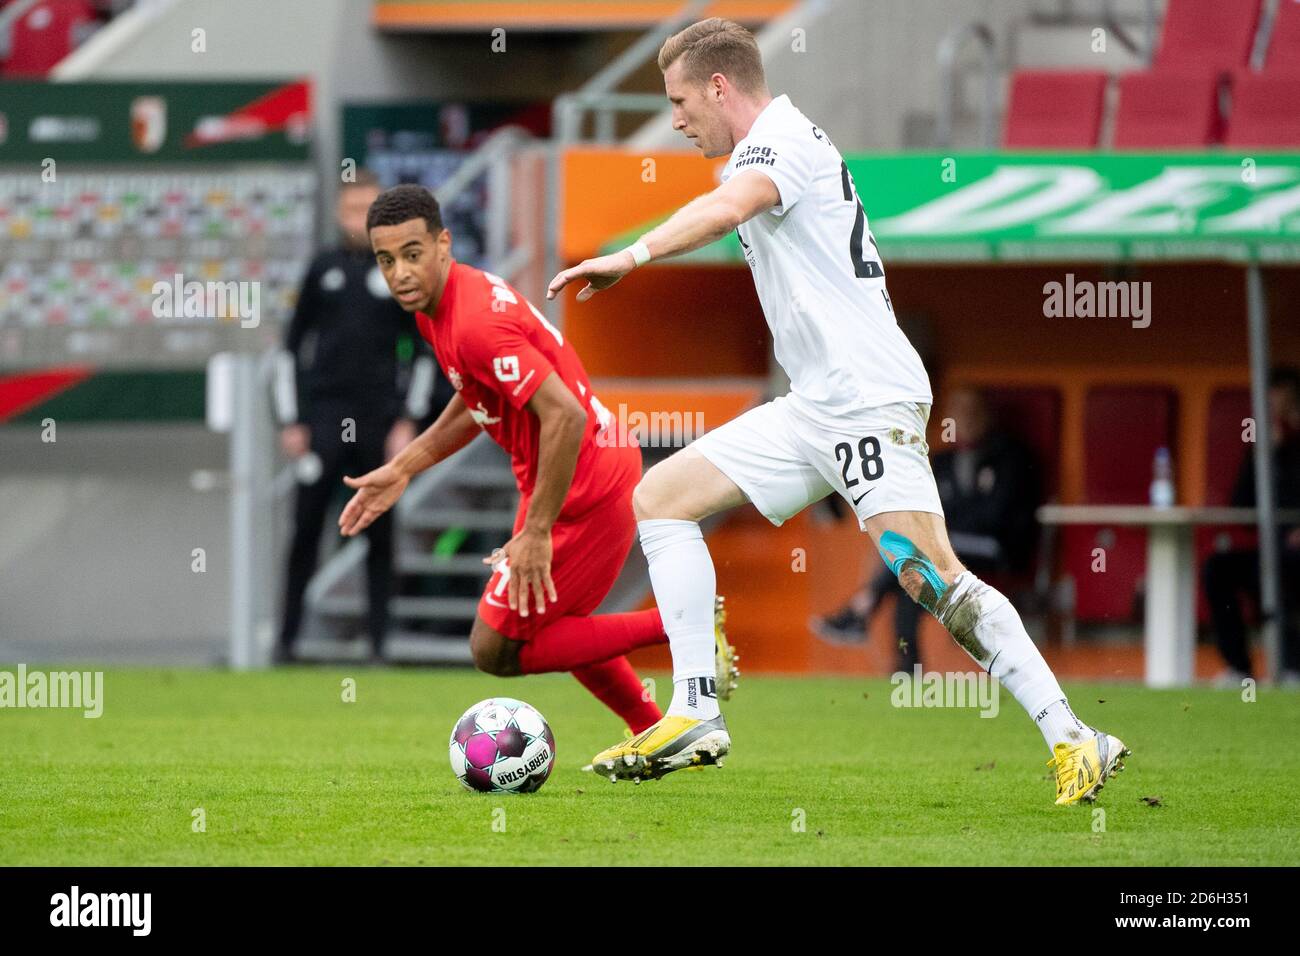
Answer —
(614, 683)
(573, 642)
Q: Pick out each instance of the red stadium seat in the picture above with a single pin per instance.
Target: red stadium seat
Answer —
(1225, 452)
(1213, 36)
(1225, 449)
(1167, 109)
(1054, 109)
(1284, 41)
(1111, 596)
(1123, 427)
(1265, 110)
(45, 35)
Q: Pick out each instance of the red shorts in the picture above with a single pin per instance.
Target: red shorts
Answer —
(587, 554)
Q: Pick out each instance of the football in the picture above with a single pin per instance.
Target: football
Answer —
(502, 745)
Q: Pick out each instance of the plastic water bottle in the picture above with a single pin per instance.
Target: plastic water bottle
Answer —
(1162, 480)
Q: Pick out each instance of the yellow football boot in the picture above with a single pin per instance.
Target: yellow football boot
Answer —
(724, 655)
(1083, 769)
(674, 743)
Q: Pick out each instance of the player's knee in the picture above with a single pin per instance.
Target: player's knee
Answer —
(493, 653)
(647, 502)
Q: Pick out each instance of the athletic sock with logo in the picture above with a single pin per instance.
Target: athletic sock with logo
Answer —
(695, 697)
(684, 582)
(984, 623)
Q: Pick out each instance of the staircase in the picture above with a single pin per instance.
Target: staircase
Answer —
(447, 521)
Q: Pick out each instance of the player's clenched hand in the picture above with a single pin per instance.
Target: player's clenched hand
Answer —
(377, 491)
(600, 273)
(529, 556)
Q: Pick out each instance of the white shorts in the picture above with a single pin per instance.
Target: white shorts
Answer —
(783, 459)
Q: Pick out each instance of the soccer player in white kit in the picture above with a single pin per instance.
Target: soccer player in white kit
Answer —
(853, 423)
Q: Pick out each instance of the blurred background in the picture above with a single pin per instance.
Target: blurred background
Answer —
(1089, 213)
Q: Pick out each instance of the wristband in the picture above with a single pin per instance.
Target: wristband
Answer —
(640, 253)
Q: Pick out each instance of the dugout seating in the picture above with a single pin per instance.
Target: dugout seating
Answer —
(1225, 452)
(1123, 427)
(1033, 415)
(1055, 109)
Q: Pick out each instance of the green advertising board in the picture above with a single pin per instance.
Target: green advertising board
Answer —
(142, 122)
(1021, 207)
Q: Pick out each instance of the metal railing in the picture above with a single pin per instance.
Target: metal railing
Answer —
(598, 94)
(950, 48)
(493, 158)
(953, 42)
(1147, 48)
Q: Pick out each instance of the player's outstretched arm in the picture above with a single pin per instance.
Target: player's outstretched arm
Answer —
(378, 490)
(563, 421)
(703, 220)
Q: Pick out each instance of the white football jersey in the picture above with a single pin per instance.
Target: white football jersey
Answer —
(818, 273)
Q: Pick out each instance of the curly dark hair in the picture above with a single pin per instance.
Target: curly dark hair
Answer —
(402, 204)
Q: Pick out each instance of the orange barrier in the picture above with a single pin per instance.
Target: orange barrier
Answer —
(557, 14)
(608, 191)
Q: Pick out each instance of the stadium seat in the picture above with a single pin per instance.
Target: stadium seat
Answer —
(1214, 36)
(1284, 42)
(46, 34)
(1265, 109)
(1225, 449)
(1225, 452)
(1112, 596)
(1123, 427)
(1054, 109)
(1167, 109)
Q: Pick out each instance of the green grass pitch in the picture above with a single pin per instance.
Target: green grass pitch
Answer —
(286, 772)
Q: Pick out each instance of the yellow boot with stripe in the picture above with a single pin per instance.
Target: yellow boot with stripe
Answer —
(1083, 769)
(673, 743)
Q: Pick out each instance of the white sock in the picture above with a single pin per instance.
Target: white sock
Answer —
(684, 583)
(695, 697)
(983, 622)
(1060, 726)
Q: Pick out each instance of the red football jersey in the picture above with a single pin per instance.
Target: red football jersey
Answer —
(496, 348)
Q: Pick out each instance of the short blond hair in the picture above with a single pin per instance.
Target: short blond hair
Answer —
(713, 46)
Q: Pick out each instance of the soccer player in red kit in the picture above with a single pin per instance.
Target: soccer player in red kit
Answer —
(518, 379)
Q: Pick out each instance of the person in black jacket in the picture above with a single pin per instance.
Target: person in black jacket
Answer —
(356, 378)
(989, 490)
(1230, 574)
